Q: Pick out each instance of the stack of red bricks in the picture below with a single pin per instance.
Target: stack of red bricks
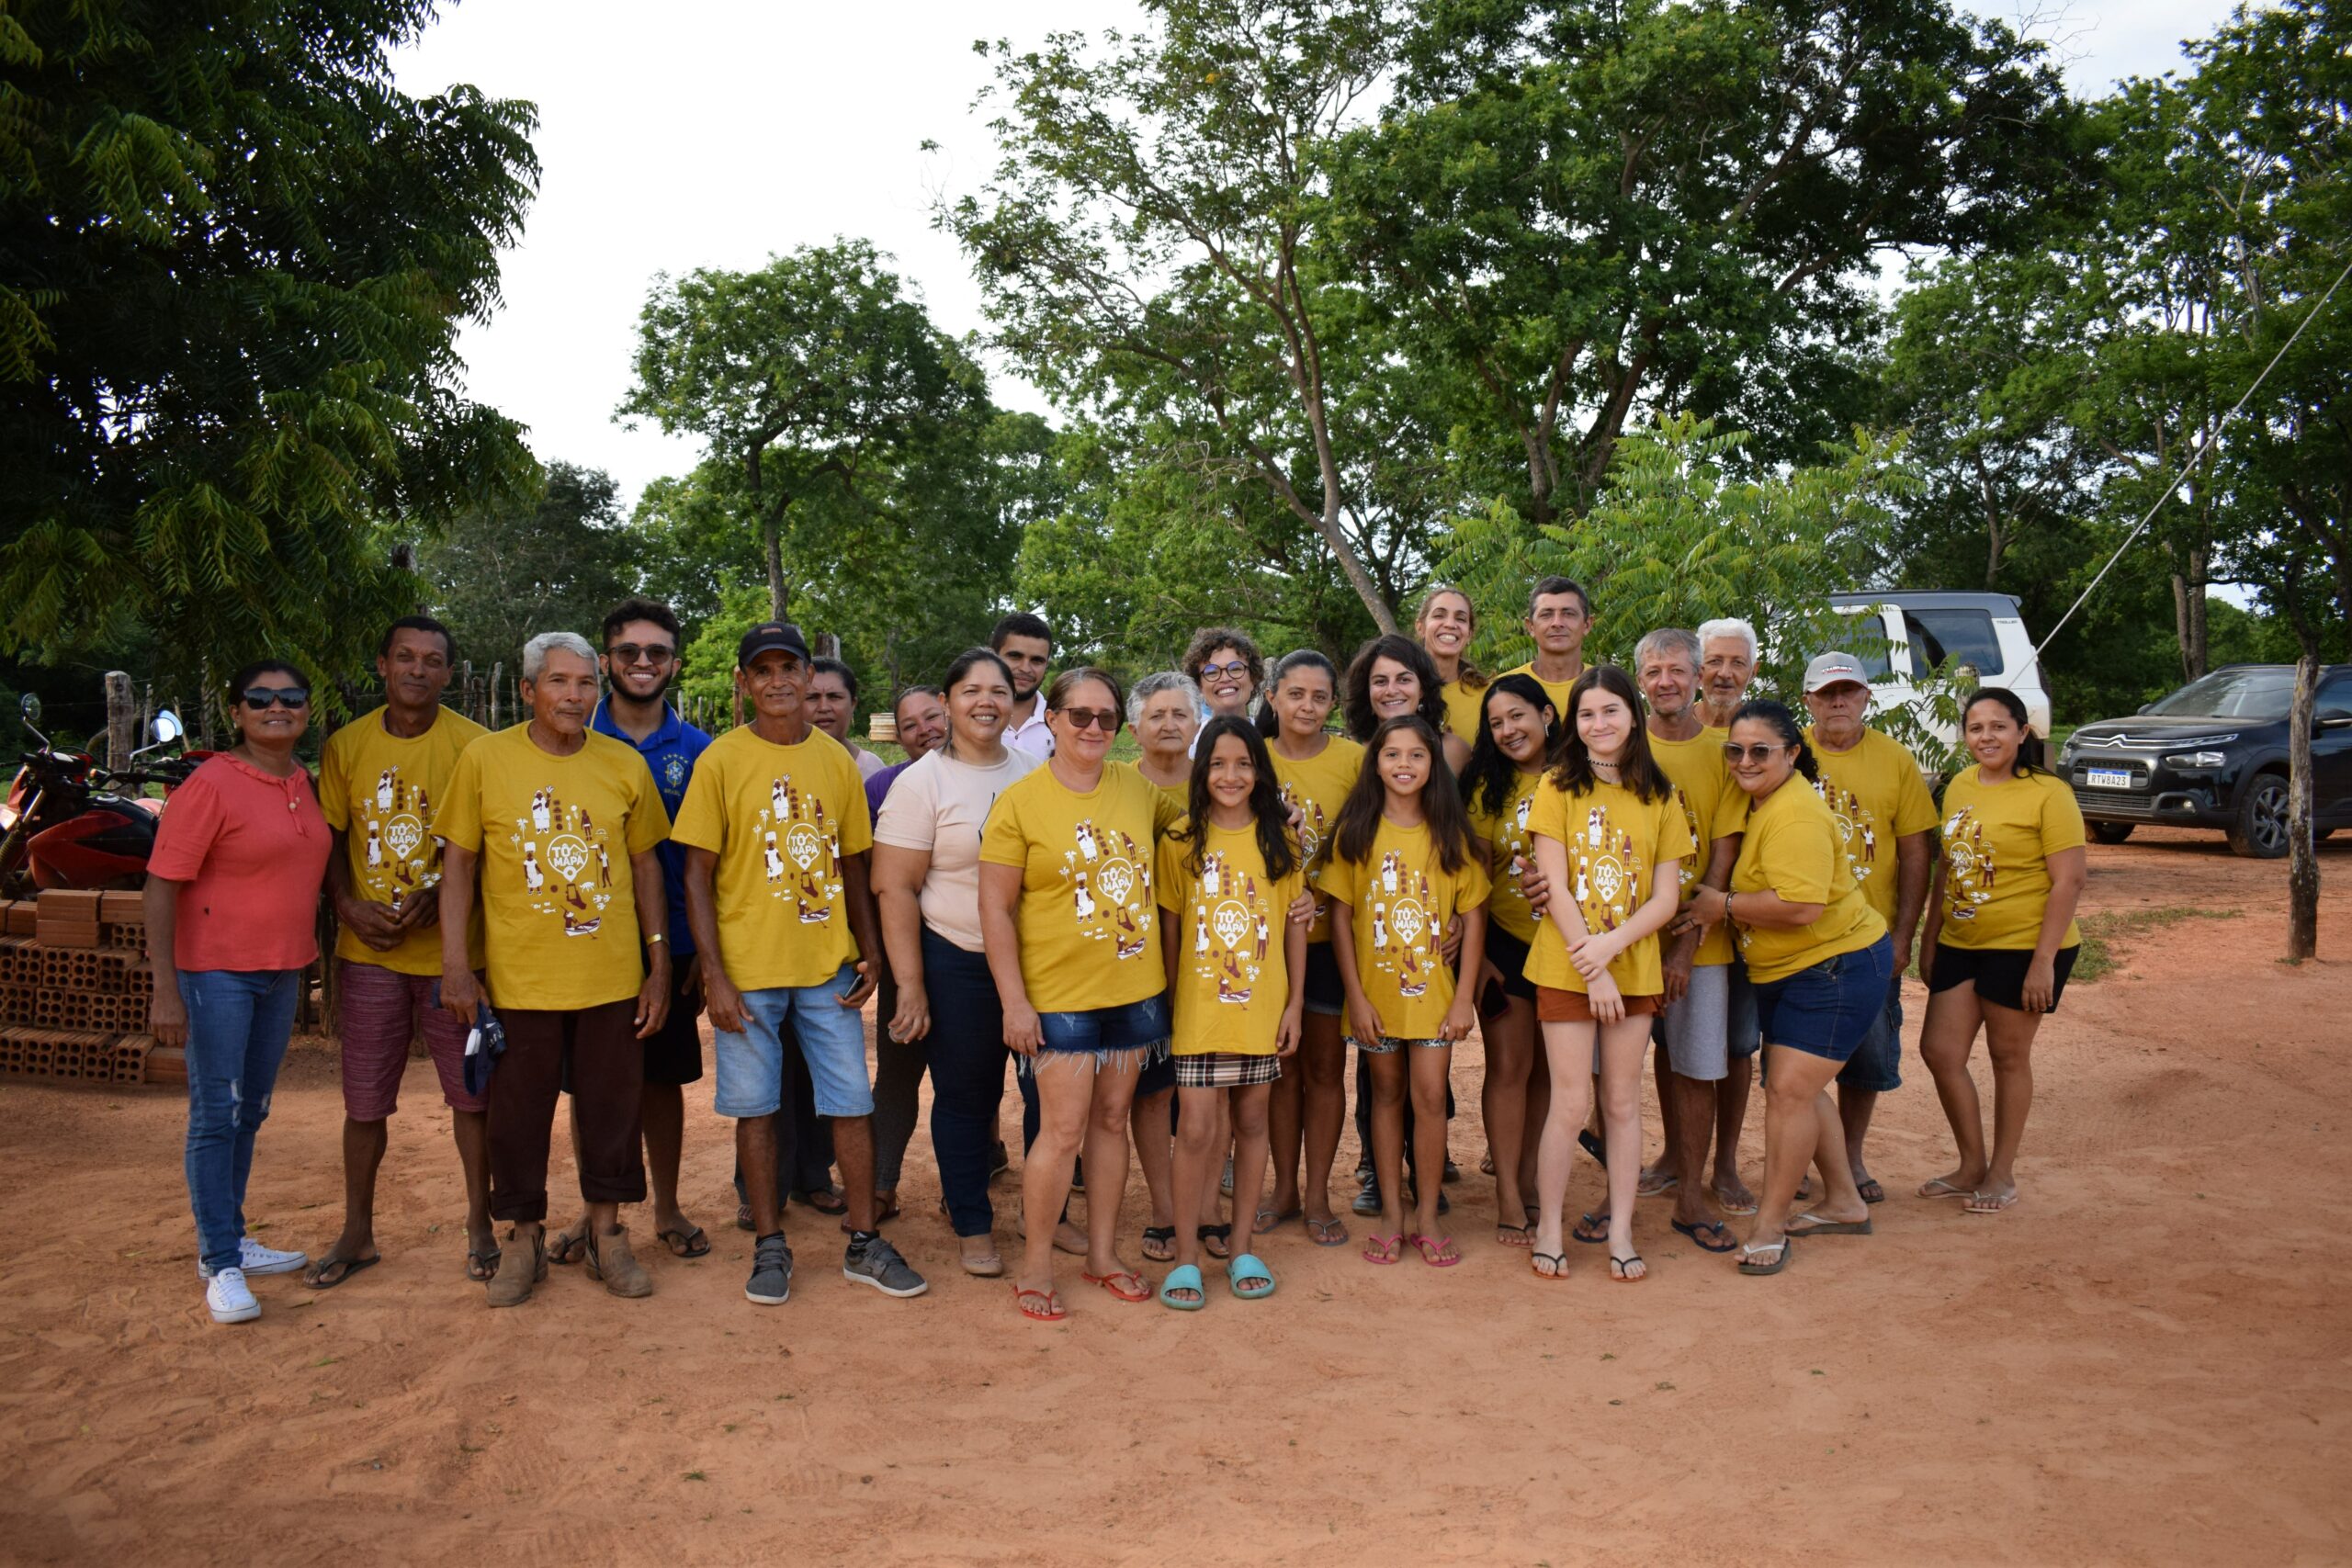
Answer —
(74, 990)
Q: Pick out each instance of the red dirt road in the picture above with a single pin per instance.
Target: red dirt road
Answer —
(2148, 1360)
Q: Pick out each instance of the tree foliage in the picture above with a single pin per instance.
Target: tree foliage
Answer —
(551, 561)
(233, 258)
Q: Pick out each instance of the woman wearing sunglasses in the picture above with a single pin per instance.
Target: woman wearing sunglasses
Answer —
(1819, 958)
(232, 907)
(1068, 921)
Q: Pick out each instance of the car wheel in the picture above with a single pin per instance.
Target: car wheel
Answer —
(2260, 830)
(2108, 832)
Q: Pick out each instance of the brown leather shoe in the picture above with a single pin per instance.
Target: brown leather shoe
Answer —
(511, 1286)
(610, 1259)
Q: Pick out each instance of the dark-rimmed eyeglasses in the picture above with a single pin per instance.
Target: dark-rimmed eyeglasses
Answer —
(1231, 666)
(650, 652)
(1734, 752)
(1105, 719)
(261, 697)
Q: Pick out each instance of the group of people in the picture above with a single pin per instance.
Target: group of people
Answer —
(1590, 865)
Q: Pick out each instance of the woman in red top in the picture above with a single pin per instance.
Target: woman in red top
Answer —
(233, 899)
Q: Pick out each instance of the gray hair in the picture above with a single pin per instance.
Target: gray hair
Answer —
(1669, 639)
(1150, 686)
(1729, 626)
(536, 651)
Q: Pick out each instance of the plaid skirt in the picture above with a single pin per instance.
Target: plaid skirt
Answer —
(1227, 1069)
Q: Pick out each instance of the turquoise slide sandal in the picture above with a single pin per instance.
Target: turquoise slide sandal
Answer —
(1184, 1277)
(1249, 1267)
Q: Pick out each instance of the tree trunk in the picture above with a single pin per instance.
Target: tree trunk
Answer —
(774, 543)
(2303, 847)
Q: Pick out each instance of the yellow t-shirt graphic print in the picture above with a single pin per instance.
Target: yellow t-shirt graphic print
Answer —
(1507, 834)
(1230, 987)
(1875, 793)
(1318, 787)
(780, 820)
(1998, 843)
(1615, 840)
(1088, 939)
(1401, 900)
(380, 790)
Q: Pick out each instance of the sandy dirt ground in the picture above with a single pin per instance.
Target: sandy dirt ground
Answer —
(2148, 1360)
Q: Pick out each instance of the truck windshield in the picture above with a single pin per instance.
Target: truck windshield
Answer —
(2233, 694)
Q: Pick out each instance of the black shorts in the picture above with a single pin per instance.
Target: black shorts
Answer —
(1996, 973)
(1507, 953)
(1324, 993)
(673, 1053)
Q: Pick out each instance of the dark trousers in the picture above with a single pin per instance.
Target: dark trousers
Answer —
(804, 1140)
(597, 1051)
(968, 1059)
(898, 1085)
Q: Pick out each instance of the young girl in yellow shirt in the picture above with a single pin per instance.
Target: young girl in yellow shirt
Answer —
(1402, 867)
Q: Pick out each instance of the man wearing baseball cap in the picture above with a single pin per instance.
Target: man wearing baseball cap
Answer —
(778, 838)
(1872, 784)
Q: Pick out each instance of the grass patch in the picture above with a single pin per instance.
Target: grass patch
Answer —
(2103, 931)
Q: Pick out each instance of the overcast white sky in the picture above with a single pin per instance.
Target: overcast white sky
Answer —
(717, 132)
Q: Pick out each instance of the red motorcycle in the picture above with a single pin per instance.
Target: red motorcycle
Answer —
(64, 828)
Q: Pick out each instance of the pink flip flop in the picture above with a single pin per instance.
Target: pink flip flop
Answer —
(1430, 1248)
(1385, 1250)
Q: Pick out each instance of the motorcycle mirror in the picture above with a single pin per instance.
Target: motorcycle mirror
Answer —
(167, 728)
(29, 705)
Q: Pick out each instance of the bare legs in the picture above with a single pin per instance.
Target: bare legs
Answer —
(1800, 1128)
(1079, 1105)
(1510, 1033)
(1946, 1040)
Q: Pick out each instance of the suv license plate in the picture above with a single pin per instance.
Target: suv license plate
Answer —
(2109, 778)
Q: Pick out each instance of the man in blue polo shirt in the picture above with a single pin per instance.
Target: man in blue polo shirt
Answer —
(640, 661)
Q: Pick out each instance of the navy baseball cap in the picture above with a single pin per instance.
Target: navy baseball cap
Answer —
(769, 636)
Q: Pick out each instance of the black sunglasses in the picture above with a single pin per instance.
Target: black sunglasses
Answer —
(260, 697)
(1105, 719)
(1734, 751)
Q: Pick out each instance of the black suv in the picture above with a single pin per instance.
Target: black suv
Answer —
(2214, 754)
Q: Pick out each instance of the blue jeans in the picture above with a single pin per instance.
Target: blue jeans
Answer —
(967, 1056)
(238, 1026)
(831, 1039)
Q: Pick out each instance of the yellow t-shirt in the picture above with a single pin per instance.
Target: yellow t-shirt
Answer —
(1714, 806)
(780, 818)
(1997, 842)
(1877, 795)
(1791, 848)
(555, 834)
(1505, 835)
(1318, 787)
(1556, 690)
(1087, 861)
(1178, 796)
(1401, 900)
(1230, 985)
(1462, 706)
(1615, 840)
(379, 791)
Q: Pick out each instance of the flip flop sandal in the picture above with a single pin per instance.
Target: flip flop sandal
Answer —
(1384, 1251)
(1053, 1313)
(1559, 1269)
(564, 1247)
(1268, 1219)
(1591, 1221)
(1871, 1190)
(1617, 1267)
(1526, 1234)
(743, 1215)
(688, 1242)
(1732, 1207)
(1819, 1226)
(1656, 1186)
(1159, 1243)
(881, 1217)
(1184, 1277)
(1430, 1248)
(1939, 1188)
(1779, 1249)
(1247, 1267)
(1216, 1240)
(827, 1203)
(1979, 1203)
(1119, 1285)
(1699, 1234)
(1593, 1146)
(482, 1267)
(317, 1277)
(1327, 1233)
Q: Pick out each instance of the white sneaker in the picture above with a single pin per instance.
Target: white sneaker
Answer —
(228, 1297)
(252, 1257)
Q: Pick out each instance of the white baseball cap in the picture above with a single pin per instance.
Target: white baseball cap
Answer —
(1832, 669)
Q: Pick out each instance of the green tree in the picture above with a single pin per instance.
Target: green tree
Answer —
(808, 380)
(234, 259)
(507, 569)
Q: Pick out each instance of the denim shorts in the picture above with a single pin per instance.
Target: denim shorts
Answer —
(1101, 1032)
(1825, 1009)
(1325, 994)
(1876, 1066)
(831, 1038)
(1388, 1044)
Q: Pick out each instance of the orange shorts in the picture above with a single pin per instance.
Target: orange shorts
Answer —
(1575, 1007)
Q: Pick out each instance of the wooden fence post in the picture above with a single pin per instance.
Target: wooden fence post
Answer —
(123, 720)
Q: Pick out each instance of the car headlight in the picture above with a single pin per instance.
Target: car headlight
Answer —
(2195, 760)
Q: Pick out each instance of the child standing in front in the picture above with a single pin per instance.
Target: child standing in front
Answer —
(1402, 867)
(1235, 966)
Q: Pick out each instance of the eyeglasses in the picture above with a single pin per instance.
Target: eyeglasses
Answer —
(650, 653)
(1734, 752)
(1232, 667)
(259, 698)
(1105, 719)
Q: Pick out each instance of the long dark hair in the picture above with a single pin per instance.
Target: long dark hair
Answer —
(1637, 770)
(1270, 723)
(1473, 678)
(1362, 721)
(1275, 845)
(1441, 801)
(1783, 723)
(1489, 778)
(2029, 743)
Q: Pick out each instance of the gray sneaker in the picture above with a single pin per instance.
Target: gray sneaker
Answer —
(771, 1283)
(881, 1266)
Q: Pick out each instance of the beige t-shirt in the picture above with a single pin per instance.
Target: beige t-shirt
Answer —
(940, 804)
